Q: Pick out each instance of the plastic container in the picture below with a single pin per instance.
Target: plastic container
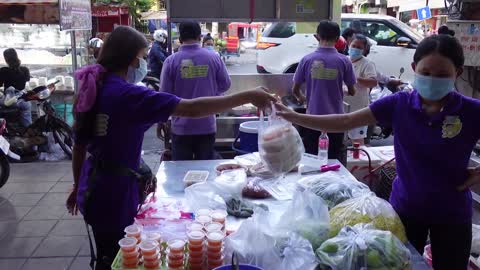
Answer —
(128, 244)
(323, 143)
(213, 226)
(215, 255)
(214, 248)
(212, 264)
(149, 248)
(219, 216)
(195, 266)
(176, 246)
(248, 136)
(153, 236)
(175, 256)
(151, 264)
(196, 254)
(195, 260)
(196, 238)
(130, 263)
(195, 226)
(203, 219)
(134, 231)
(203, 212)
(215, 239)
(195, 248)
(175, 263)
(132, 254)
(151, 258)
(194, 177)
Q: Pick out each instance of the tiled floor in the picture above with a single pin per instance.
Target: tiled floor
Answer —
(36, 232)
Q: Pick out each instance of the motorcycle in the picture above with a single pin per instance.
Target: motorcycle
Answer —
(376, 132)
(5, 153)
(25, 141)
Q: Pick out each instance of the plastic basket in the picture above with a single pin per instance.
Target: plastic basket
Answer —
(384, 186)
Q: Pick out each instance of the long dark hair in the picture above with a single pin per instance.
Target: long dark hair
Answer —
(117, 53)
(11, 58)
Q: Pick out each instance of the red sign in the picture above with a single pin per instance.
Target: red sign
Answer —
(109, 11)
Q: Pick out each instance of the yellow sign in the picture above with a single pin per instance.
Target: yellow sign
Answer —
(305, 6)
(190, 71)
(319, 72)
(452, 126)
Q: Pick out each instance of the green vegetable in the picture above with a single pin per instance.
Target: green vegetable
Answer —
(330, 248)
(373, 259)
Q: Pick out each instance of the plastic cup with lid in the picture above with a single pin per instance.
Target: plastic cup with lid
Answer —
(195, 226)
(149, 248)
(128, 244)
(203, 212)
(133, 231)
(176, 245)
(213, 226)
(195, 237)
(219, 216)
(203, 219)
(215, 239)
(154, 236)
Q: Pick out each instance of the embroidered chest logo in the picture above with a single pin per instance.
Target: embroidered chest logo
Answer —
(319, 72)
(189, 71)
(452, 126)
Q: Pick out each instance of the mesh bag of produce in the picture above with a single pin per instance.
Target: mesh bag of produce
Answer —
(366, 208)
(333, 189)
(362, 247)
(279, 144)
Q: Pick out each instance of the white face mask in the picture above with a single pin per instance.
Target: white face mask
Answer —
(136, 75)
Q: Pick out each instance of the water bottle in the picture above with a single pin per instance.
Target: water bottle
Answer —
(323, 148)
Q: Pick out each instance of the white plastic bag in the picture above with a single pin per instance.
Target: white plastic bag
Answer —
(232, 182)
(308, 216)
(280, 146)
(257, 242)
(475, 239)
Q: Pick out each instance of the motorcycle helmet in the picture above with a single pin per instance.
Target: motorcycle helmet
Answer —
(341, 44)
(160, 36)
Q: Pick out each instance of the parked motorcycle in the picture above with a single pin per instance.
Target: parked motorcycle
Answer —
(4, 154)
(26, 141)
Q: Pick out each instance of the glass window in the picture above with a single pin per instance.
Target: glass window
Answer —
(378, 31)
(280, 30)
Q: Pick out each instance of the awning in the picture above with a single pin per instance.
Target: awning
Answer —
(154, 15)
(408, 5)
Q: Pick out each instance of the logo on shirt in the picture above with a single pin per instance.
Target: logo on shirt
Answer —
(101, 125)
(190, 71)
(452, 126)
(319, 72)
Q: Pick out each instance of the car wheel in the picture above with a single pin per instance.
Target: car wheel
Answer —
(292, 69)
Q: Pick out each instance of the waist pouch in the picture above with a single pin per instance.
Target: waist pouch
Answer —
(147, 183)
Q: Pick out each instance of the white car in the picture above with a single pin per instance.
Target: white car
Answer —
(280, 49)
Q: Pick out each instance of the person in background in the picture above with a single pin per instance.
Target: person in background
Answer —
(366, 79)
(158, 53)
(324, 72)
(15, 75)
(106, 160)
(444, 30)
(348, 36)
(208, 42)
(436, 129)
(191, 73)
(94, 46)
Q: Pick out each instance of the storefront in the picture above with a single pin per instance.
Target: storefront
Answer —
(106, 17)
(407, 12)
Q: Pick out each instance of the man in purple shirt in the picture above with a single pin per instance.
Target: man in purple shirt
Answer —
(193, 72)
(324, 72)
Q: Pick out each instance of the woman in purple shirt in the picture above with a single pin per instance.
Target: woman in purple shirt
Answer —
(436, 129)
(109, 128)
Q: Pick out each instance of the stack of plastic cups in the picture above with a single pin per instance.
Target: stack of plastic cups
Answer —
(219, 216)
(176, 254)
(130, 254)
(215, 249)
(196, 249)
(151, 254)
(134, 231)
(157, 237)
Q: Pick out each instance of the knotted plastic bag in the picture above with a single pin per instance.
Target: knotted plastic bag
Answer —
(366, 208)
(332, 188)
(280, 146)
(362, 247)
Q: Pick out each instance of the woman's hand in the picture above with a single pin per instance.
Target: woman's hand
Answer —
(261, 98)
(301, 98)
(472, 180)
(285, 112)
(72, 205)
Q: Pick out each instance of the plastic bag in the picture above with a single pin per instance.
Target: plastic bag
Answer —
(366, 208)
(232, 181)
(308, 216)
(256, 242)
(475, 239)
(254, 190)
(363, 247)
(280, 146)
(333, 189)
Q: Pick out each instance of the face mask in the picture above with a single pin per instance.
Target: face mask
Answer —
(210, 48)
(136, 75)
(432, 88)
(355, 53)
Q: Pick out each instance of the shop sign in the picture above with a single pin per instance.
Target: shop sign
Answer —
(75, 15)
(109, 11)
(29, 11)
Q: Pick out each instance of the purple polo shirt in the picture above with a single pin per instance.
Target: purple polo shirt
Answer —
(432, 154)
(190, 73)
(324, 72)
(131, 110)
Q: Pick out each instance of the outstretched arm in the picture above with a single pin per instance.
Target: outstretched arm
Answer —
(205, 106)
(328, 123)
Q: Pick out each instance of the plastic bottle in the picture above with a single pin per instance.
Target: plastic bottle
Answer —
(323, 143)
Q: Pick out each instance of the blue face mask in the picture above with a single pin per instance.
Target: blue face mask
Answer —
(210, 48)
(355, 53)
(432, 88)
(136, 75)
